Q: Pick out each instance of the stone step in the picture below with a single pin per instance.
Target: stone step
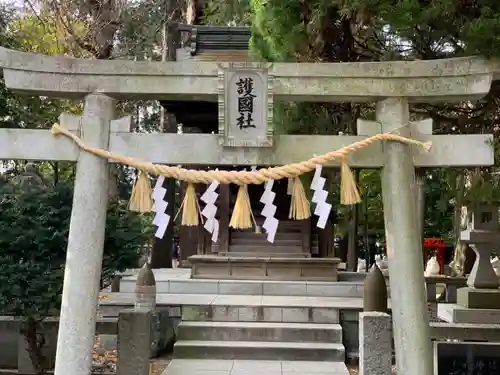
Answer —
(278, 236)
(259, 350)
(164, 285)
(252, 309)
(292, 223)
(252, 235)
(246, 367)
(284, 229)
(262, 267)
(260, 331)
(269, 248)
(267, 253)
(264, 242)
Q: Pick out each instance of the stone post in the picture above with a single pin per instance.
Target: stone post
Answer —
(409, 303)
(145, 288)
(375, 343)
(115, 284)
(135, 334)
(85, 243)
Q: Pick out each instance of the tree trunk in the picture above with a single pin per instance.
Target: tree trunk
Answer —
(35, 342)
(368, 253)
(460, 252)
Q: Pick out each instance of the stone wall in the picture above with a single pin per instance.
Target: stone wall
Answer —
(12, 344)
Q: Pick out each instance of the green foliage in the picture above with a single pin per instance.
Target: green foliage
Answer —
(439, 192)
(141, 31)
(29, 33)
(34, 229)
(438, 28)
(228, 13)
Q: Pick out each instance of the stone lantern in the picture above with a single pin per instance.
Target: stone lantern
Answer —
(482, 234)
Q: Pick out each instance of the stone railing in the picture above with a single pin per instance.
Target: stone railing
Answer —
(451, 284)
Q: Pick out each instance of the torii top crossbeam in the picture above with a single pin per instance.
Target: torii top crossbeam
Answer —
(420, 81)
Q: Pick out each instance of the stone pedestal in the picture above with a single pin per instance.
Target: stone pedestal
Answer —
(478, 298)
(453, 313)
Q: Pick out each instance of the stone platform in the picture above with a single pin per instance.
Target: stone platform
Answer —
(454, 313)
(248, 367)
(263, 268)
(111, 303)
(178, 281)
(473, 298)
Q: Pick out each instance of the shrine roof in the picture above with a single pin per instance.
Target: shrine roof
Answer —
(216, 38)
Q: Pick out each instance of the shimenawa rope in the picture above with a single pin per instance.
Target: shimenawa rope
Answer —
(141, 197)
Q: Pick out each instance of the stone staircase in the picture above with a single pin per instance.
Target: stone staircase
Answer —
(260, 332)
(287, 243)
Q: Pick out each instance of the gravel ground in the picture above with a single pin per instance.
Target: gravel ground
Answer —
(158, 366)
(105, 361)
(354, 370)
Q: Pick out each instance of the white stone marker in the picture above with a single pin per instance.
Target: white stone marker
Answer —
(409, 303)
(85, 243)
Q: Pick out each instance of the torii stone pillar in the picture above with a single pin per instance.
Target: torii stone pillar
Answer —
(85, 243)
(412, 340)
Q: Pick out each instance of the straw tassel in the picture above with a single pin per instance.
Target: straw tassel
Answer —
(140, 199)
(242, 215)
(190, 215)
(299, 206)
(349, 193)
(289, 186)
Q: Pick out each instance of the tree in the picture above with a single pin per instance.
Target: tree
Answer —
(34, 226)
(420, 29)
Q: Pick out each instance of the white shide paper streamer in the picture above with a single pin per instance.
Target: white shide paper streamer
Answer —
(161, 219)
(210, 210)
(320, 195)
(269, 210)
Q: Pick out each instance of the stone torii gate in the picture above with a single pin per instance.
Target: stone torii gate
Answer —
(393, 85)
